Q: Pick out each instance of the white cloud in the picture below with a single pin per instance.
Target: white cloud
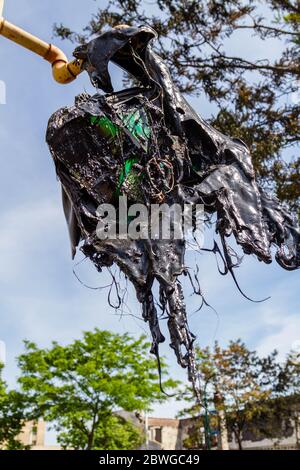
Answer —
(24, 230)
(284, 327)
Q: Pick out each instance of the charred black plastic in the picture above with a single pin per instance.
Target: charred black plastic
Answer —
(207, 166)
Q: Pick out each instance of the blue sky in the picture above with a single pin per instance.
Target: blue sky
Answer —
(40, 298)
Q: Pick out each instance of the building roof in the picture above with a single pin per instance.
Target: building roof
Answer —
(173, 423)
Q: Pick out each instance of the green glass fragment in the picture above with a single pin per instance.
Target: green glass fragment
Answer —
(107, 127)
(137, 124)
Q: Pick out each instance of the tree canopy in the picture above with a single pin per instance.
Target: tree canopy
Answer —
(238, 382)
(81, 387)
(12, 416)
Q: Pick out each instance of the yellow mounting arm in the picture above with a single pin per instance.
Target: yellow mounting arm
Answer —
(63, 71)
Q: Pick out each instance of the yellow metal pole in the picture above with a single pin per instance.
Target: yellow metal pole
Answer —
(63, 71)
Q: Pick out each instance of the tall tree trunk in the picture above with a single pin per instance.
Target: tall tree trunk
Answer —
(223, 434)
(90, 441)
(239, 440)
(91, 435)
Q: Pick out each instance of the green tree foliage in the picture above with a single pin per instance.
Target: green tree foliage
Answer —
(236, 381)
(113, 432)
(12, 417)
(79, 387)
(289, 380)
(279, 417)
(257, 98)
